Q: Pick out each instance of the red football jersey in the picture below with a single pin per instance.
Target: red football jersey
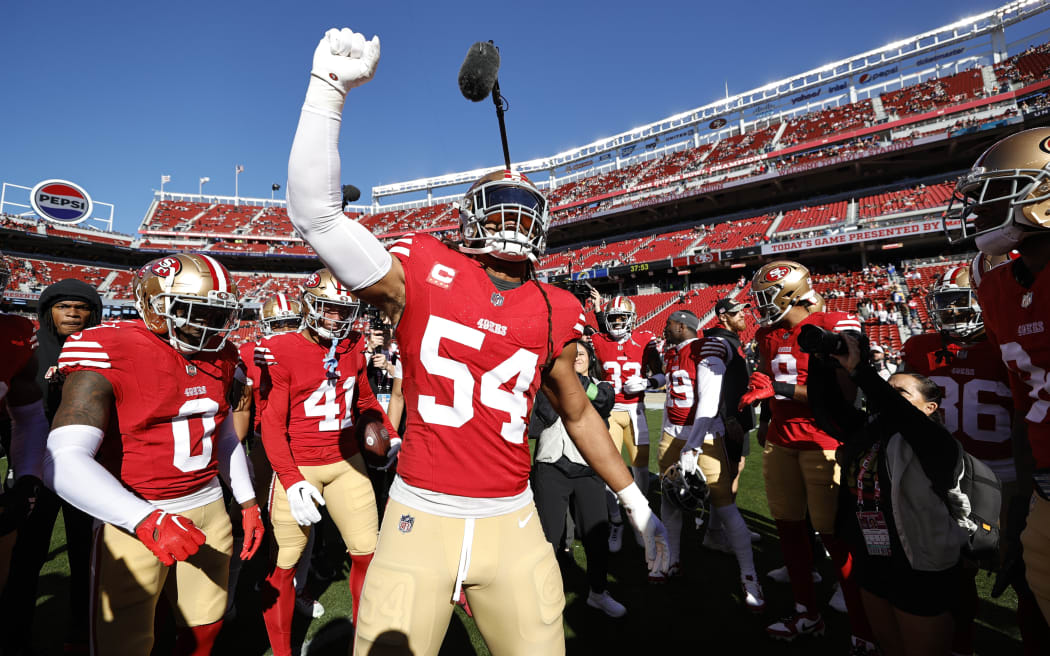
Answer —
(977, 404)
(17, 343)
(309, 417)
(471, 358)
(621, 360)
(792, 424)
(682, 391)
(1013, 319)
(254, 377)
(168, 406)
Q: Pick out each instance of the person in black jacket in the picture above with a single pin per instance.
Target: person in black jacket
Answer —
(66, 307)
(560, 474)
(900, 505)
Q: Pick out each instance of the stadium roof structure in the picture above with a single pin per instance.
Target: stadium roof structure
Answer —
(980, 38)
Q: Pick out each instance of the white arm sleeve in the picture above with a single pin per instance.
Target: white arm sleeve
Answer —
(70, 469)
(28, 438)
(709, 375)
(349, 250)
(233, 463)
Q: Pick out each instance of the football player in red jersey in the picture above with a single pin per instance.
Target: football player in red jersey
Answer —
(694, 440)
(626, 356)
(798, 457)
(19, 390)
(319, 392)
(1006, 192)
(478, 336)
(152, 397)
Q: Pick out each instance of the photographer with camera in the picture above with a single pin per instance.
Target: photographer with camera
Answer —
(900, 508)
(798, 455)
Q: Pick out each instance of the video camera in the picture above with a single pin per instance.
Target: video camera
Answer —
(815, 340)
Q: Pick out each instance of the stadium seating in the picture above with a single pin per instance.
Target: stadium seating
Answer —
(816, 125)
(813, 217)
(905, 200)
(933, 93)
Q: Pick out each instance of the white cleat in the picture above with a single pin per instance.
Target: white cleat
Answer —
(606, 604)
(754, 599)
(780, 575)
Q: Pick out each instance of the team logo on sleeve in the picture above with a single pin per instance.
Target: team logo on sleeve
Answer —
(61, 201)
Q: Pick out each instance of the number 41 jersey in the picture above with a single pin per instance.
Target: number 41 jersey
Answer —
(471, 357)
(168, 408)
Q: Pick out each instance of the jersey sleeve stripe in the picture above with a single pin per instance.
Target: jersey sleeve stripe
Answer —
(86, 345)
(399, 250)
(97, 364)
(93, 355)
(847, 324)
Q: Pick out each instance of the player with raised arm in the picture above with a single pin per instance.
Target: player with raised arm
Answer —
(319, 394)
(25, 405)
(798, 457)
(152, 397)
(478, 335)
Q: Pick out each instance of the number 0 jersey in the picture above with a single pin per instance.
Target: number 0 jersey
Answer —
(309, 418)
(977, 404)
(792, 424)
(1015, 319)
(621, 360)
(17, 343)
(168, 407)
(471, 358)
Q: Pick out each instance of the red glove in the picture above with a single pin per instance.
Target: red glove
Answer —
(758, 388)
(170, 537)
(254, 530)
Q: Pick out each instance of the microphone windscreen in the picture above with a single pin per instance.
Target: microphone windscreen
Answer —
(478, 73)
(350, 193)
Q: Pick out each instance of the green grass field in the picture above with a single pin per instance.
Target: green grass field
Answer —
(701, 612)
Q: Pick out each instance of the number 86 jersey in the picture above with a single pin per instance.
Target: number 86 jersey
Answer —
(471, 357)
(168, 408)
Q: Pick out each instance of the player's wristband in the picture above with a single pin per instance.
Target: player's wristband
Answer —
(592, 391)
(784, 389)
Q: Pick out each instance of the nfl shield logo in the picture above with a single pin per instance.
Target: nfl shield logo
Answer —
(405, 524)
(497, 299)
(1026, 300)
(191, 370)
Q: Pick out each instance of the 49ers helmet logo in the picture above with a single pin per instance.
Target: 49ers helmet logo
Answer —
(168, 266)
(313, 280)
(1044, 145)
(777, 273)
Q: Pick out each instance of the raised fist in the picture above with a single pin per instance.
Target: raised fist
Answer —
(345, 60)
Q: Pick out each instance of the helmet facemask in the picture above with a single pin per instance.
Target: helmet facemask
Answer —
(998, 208)
(321, 316)
(198, 324)
(618, 324)
(955, 311)
(280, 324)
(505, 217)
(688, 492)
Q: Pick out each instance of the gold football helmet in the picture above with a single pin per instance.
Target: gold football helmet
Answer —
(280, 314)
(953, 306)
(329, 308)
(189, 297)
(506, 215)
(1005, 195)
(619, 317)
(777, 287)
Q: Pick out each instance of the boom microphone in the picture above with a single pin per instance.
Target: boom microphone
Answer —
(350, 194)
(478, 73)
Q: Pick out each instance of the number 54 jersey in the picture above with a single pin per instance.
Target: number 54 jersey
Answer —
(471, 357)
(168, 408)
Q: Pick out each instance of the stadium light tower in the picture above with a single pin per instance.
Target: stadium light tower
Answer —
(237, 170)
(200, 187)
(273, 189)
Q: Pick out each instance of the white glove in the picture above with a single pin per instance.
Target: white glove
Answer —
(391, 454)
(635, 384)
(343, 60)
(301, 497)
(687, 460)
(649, 526)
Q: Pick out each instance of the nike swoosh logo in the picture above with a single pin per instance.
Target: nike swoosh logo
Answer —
(523, 522)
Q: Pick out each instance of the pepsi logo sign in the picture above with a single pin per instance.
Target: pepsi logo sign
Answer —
(777, 273)
(61, 201)
(167, 266)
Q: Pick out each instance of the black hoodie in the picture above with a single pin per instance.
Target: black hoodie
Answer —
(49, 344)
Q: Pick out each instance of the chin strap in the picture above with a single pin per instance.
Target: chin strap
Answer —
(331, 362)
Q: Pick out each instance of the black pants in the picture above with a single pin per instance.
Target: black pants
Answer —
(32, 549)
(553, 490)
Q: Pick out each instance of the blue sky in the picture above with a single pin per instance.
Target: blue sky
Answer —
(114, 94)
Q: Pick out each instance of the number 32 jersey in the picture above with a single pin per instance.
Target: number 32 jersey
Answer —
(471, 357)
(168, 408)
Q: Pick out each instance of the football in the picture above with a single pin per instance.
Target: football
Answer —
(374, 439)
